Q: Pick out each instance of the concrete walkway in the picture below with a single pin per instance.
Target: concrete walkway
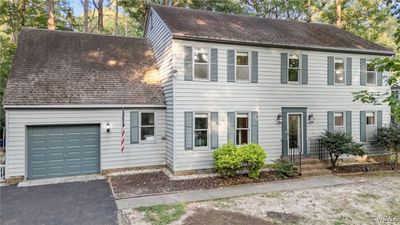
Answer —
(233, 191)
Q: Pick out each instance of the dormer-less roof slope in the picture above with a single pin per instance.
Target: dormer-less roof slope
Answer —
(227, 28)
(67, 68)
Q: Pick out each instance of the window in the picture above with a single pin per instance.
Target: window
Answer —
(294, 69)
(370, 118)
(201, 130)
(242, 128)
(339, 122)
(371, 73)
(242, 66)
(147, 127)
(339, 71)
(201, 64)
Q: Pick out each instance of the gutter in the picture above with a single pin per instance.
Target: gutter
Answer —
(286, 46)
(94, 106)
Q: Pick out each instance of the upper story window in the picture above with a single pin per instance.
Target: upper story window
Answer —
(339, 71)
(339, 122)
(242, 66)
(294, 69)
(242, 128)
(147, 126)
(371, 73)
(201, 61)
(200, 130)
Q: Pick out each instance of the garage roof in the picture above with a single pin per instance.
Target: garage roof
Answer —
(61, 68)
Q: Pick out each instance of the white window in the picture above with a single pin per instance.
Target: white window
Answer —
(371, 73)
(371, 127)
(242, 67)
(201, 67)
(370, 118)
(147, 127)
(294, 69)
(200, 130)
(242, 128)
(339, 71)
(339, 122)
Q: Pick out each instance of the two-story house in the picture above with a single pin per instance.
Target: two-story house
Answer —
(83, 103)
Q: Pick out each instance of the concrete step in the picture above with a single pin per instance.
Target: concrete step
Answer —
(319, 172)
(307, 161)
(316, 166)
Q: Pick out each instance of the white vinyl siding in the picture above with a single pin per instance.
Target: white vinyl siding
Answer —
(134, 155)
(268, 96)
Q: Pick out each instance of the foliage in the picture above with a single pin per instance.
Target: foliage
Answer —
(162, 214)
(389, 137)
(284, 168)
(338, 144)
(253, 157)
(228, 159)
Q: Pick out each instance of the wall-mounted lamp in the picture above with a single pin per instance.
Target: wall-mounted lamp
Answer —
(311, 118)
(279, 118)
(108, 127)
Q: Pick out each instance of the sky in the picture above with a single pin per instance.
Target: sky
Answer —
(77, 6)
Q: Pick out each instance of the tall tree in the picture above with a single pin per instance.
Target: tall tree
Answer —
(99, 7)
(51, 22)
(338, 13)
(85, 16)
(116, 17)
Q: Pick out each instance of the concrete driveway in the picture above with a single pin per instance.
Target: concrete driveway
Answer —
(81, 203)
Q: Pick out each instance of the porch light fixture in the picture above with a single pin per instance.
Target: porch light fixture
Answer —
(311, 118)
(108, 127)
(279, 118)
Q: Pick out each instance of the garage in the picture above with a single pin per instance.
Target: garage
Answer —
(63, 150)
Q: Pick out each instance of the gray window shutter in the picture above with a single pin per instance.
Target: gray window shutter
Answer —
(304, 69)
(231, 66)
(284, 68)
(214, 130)
(349, 68)
(254, 67)
(379, 122)
(363, 126)
(254, 127)
(348, 123)
(331, 70)
(379, 78)
(188, 70)
(189, 130)
(363, 72)
(134, 127)
(231, 127)
(214, 64)
(330, 121)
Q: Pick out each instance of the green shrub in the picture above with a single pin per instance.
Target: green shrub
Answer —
(284, 168)
(389, 137)
(227, 160)
(253, 157)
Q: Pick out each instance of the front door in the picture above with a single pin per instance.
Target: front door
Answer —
(294, 130)
(295, 142)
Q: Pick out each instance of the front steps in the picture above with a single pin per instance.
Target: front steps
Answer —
(311, 166)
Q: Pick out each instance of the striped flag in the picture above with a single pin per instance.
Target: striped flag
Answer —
(123, 131)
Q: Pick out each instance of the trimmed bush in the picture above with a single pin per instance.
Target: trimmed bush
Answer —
(284, 168)
(227, 160)
(253, 158)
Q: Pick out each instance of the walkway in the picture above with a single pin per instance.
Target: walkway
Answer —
(233, 191)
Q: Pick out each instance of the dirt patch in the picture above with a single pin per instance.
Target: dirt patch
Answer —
(285, 218)
(221, 217)
(159, 183)
(367, 167)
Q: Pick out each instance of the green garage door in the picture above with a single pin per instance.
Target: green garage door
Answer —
(56, 151)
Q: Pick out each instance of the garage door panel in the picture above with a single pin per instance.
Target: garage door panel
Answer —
(55, 151)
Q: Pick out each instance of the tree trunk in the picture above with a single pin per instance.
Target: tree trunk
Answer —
(100, 16)
(51, 23)
(338, 13)
(308, 11)
(85, 16)
(166, 2)
(23, 11)
(116, 17)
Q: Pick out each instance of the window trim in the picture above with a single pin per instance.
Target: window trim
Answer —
(248, 127)
(249, 65)
(140, 128)
(344, 121)
(208, 147)
(344, 70)
(300, 68)
(366, 74)
(208, 64)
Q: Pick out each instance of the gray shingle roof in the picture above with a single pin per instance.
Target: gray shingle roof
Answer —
(227, 28)
(60, 68)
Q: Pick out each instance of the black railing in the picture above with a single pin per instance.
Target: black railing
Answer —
(294, 156)
(316, 149)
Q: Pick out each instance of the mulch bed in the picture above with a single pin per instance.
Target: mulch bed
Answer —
(135, 185)
(367, 167)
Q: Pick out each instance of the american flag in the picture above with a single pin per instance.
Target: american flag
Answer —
(123, 131)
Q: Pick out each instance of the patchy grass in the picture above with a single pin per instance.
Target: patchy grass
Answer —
(274, 194)
(162, 214)
(369, 196)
